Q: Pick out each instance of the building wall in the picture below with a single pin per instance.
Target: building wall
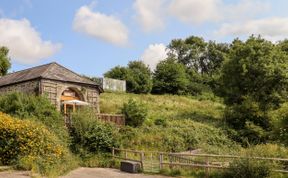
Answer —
(109, 84)
(29, 87)
(54, 89)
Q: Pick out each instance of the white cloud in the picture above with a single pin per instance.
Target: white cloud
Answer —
(101, 26)
(154, 54)
(270, 28)
(150, 14)
(24, 42)
(195, 11)
(244, 9)
(200, 11)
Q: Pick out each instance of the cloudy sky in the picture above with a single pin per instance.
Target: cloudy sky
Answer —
(90, 37)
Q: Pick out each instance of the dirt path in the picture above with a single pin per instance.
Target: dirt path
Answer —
(84, 173)
(105, 173)
(15, 174)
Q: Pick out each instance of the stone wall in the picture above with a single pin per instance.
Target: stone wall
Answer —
(54, 89)
(109, 84)
(29, 87)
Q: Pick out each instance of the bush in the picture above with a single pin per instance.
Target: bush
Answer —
(280, 123)
(135, 113)
(252, 124)
(38, 108)
(246, 168)
(29, 144)
(91, 135)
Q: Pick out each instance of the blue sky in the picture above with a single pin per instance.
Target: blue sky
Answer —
(90, 37)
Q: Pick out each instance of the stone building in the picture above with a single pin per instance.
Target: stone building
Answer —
(63, 87)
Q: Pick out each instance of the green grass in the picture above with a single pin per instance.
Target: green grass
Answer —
(189, 122)
(167, 106)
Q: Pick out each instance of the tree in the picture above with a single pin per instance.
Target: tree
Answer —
(139, 79)
(258, 69)
(170, 77)
(137, 75)
(117, 72)
(253, 82)
(135, 113)
(203, 61)
(4, 61)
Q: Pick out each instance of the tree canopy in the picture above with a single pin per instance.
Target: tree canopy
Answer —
(170, 77)
(4, 61)
(137, 75)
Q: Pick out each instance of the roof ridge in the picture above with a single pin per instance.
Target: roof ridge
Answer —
(75, 73)
(48, 68)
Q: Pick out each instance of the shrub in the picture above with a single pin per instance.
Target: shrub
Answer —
(29, 144)
(280, 123)
(246, 168)
(38, 108)
(252, 124)
(135, 113)
(91, 135)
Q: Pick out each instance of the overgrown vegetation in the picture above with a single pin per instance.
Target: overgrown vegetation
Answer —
(135, 113)
(30, 145)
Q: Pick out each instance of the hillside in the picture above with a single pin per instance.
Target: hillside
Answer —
(174, 123)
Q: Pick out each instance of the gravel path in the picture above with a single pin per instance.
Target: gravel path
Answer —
(84, 173)
(15, 174)
(105, 173)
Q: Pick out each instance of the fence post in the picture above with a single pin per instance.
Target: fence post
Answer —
(207, 168)
(161, 161)
(126, 154)
(113, 152)
(142, 159)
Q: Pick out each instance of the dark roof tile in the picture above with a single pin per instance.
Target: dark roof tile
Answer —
(51, 71)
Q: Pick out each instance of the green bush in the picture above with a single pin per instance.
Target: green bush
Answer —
(90, 134)
(246, 168)
(38, 108)
(135, 113)
(251, 123)
(280, 124)
(29, 145)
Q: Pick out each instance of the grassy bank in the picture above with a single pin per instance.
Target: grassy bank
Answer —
(185, 122)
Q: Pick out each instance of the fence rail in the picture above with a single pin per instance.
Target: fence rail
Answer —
(152, 161)
(114, 118)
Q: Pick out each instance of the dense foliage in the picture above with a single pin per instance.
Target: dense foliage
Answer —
(4, 61)
(135, 113)
(170, 77)
(253, 83)
(30, 144)
(137, 75)
(38, 108)
(248, 168)
(89, 135)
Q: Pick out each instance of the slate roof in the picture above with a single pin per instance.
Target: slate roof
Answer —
(51, 71)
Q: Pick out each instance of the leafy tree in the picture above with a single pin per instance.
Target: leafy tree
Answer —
(137, 75)
(4, 61)
(257, 69)
(170, 77)
(203, 61)
(139, 79)
(253, 82)
(198, 55)
(117, 72)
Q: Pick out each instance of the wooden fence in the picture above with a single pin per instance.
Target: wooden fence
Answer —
(114, 118)
(155, 161)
